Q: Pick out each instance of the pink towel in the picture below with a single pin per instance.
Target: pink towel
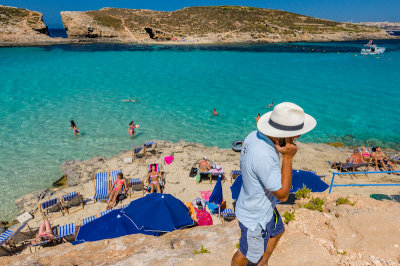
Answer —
(168, 159)
(205, 195)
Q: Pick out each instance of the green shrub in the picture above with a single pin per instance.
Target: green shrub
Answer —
(341, 201)
(315, 204)
(202, 250)
(303, 193)
(289, 216)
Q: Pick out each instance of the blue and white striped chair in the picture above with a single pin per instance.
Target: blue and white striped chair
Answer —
(52, 205)
(136, 151)
(148, 145)
(88, 219)
(71, 199)
(66, 232)
(105, 212)
(114, 175)
(235, 174)
(101, 184)
(228, 214)
(136, 184)
(7, 237)
(124, 206)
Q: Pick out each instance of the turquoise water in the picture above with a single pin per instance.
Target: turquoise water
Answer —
(355, 99)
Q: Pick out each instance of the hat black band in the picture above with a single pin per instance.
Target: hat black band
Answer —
(283, 127)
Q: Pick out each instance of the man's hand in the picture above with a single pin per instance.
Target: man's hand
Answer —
(290, 149)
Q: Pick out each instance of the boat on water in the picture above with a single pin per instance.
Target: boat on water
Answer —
(372, 49)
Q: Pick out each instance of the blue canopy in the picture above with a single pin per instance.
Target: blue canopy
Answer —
(158, 213)
(217, 196)
(299, 177)
(236, 187)
(113, 224)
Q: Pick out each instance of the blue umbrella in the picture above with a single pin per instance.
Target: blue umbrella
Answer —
(236, 187)
(299, 177)
(113, 224)
(217, 196)
(158, 213)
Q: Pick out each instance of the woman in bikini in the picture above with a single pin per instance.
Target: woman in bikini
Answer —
(115, 190)
(154, 175)
(44, 233)
(365, 156)
(74, 128)
(131, 129)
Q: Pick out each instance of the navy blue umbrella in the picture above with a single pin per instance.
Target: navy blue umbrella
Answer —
(217, 196)
(113, 224)
(236, 187)
(158, 213)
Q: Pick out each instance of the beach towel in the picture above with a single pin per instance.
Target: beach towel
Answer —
(205, 195)
(203, 217)
(380, 197)
(168, 159)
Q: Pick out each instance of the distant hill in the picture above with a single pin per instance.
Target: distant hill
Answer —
(211, 24)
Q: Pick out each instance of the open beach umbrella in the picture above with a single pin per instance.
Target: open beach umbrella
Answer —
(217, 196)
(158, 213)
(309, 179)
(111, 225)
(236, 187)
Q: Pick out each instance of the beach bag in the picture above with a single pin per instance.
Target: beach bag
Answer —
(121, 197)
(203, 217)
(193, 172)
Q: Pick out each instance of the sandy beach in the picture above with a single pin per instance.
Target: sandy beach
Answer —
(324, 234)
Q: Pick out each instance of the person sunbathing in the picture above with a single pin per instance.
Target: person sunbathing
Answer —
(365, 156)
(204, 166)
(154, 177)
(44, 233)
(115, 190)
(355, 157)
(379, 158)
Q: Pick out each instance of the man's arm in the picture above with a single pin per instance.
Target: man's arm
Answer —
(288, 152)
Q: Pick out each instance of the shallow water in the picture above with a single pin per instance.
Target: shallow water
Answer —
(354, 99)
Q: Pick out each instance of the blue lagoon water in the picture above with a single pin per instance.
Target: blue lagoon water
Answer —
(355, 99)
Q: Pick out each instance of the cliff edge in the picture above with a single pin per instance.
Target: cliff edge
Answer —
(22, 26)
(210, 24)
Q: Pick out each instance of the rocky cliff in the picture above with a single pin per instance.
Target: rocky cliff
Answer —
(22, 26)
(210, 24)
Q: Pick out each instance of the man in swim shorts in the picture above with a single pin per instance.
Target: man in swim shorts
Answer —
(379, 158)
(265, 181)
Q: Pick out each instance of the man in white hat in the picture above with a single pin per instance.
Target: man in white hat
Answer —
(265, 181)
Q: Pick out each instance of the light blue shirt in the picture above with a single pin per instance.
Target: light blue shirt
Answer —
(261, 173)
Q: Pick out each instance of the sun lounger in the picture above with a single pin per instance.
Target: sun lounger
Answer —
(136, 151)
(101, 186)
(135, 184)
(203, 175)
(88, 219)
(148, 145)
(124, 206)
(53, 205)
(105, 212)
(228, 215)
(7, 237)
(346, 167)
(234, 174)
(65, 233)
(70, 200)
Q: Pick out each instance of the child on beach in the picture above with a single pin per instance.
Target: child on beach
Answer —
(115, 190)
(154, 175)
(74, 128)
(44, 233)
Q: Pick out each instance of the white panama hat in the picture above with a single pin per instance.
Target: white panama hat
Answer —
(286, 120)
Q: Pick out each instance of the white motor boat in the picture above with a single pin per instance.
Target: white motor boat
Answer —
(372, 49)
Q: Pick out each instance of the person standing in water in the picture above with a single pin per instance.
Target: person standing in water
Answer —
(257, 117)
(131, 129)
(215, 112)
(74, 128)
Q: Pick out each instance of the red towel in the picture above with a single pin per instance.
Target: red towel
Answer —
(203, 217)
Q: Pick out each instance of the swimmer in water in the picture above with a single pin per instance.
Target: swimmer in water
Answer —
(131, 129)
(215, 112)
(131, 101)
(74, 128)
(270, 105)
(257, 117)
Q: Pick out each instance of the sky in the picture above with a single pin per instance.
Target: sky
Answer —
(338, 10)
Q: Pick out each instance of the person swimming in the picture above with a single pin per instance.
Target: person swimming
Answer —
(215, 112)
(270, 105)
(130, 100)
(257, 117)
(74, 128)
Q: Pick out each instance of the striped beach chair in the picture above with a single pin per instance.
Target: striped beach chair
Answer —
(148, 145)
(227, 215)
(7, 238)
(235, 174)
(71, 200)
(65, 233)
(135, 184)
(101, 185)
(114, 176)
(52, 205)
(136, 151)
(105, 212)
(124, 206)
(88, 219)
